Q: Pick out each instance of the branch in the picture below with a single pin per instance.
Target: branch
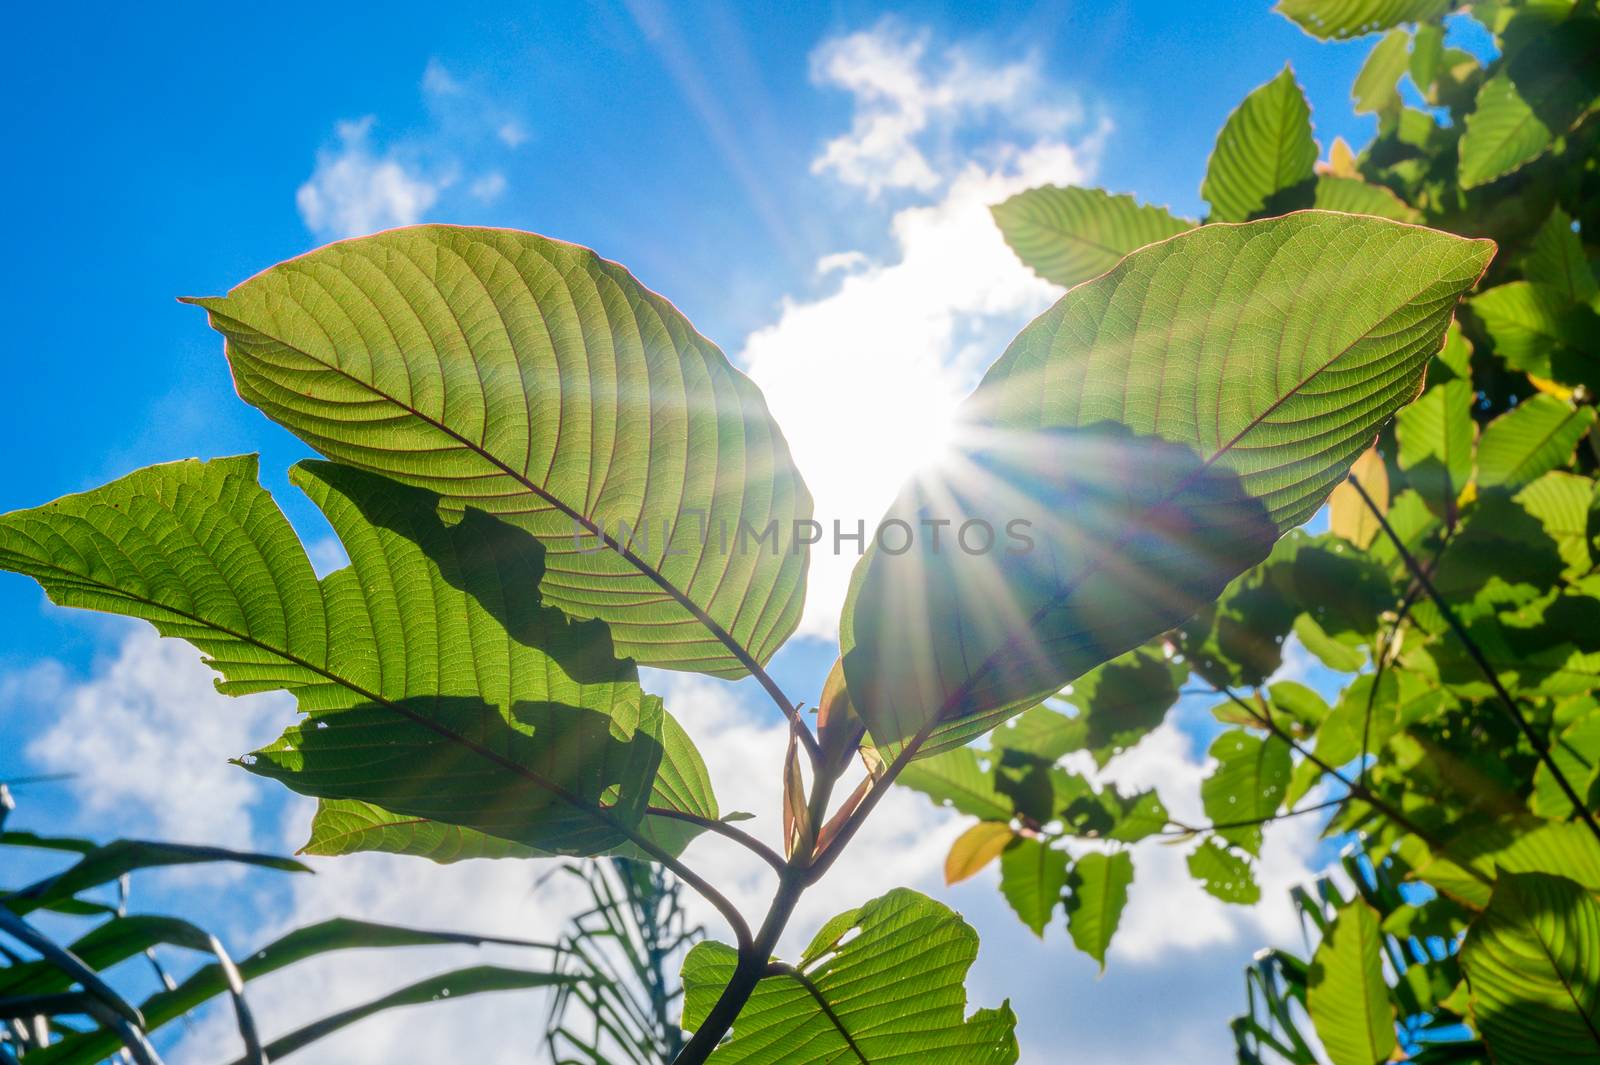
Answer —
(1356, 788)
(723, 828)
(1189, 830)
(1506, 701)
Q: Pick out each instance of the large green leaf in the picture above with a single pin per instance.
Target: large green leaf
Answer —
(1248, 784)
(1345, 991)
(1533, 963)
(1522, 845)
(434, 685)
(1032, 876)
(1341, 19)
(1157, 429)
(348, 826)
(1533, 438)
(1538, 330)
(1068, 235)
(894, 992)
(1556, 258)
(1099, 884)
(544, 385)
(1436, 436)
(1549, 81)
(1265, 147)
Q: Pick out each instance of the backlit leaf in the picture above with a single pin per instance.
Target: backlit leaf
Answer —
(1224, 873)
(1345, 991)
(1248, 784)
(1068, 235)
(1556, 259)
(976, 848)
(1348, 514)
(895, 992)
(1534, 437)
(1341, 19)
(1153, 464)
(544, 385)
(1032, 876)
(1099, 885)
(1264, 148)
(1533, 963)
(1377, 86)
(1436, 436)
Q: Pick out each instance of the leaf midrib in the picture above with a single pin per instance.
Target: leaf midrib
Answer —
(721, 634)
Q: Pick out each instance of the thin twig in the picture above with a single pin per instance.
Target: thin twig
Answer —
(1506, 701)
(723, 828)
(1190, 830)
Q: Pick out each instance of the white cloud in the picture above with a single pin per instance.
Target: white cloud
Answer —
(900, 94)
(148, 738)
(360, 185)
(354, 191)
(1167, 910)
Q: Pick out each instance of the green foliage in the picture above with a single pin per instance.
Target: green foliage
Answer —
(894, 989)
(542, 385)
(1264, 149)
(47, 995)
(1533, 963)
(1345, 992)
(543, 478)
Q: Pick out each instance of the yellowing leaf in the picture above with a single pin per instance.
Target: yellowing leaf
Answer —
(1348, 514)
(976, 848)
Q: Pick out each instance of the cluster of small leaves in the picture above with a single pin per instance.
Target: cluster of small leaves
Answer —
(1458, 589)
(58, 1005)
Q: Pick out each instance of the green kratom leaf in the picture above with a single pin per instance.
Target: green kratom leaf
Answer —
(1224, 874)
(1576, 751)
(1099, 885)
(1556, 259)
(1533, 963)
(894, 992)
(958, 780)
(1068, 235)
(434, 685)
(1537, 330)
(1148, 475)
(1264, 148)
(1342, 19)
(1121, 701)
(1549, 81)
(1355, 196)
(1345, 991)
(1534, 437)
(1427, 56)
(1044, 733)
(535, 381)
(1248, 784)
(1436, 436)
(1032, 876)
(1562, 503)
(1524, 845)
(1377, 86)
(347, 826)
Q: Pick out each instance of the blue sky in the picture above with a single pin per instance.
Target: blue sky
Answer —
(805, 181)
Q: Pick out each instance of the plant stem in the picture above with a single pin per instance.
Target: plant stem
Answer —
(723, 828)
(1181, 829)
(1358, 789)
(748, 971)
(1506, 701)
